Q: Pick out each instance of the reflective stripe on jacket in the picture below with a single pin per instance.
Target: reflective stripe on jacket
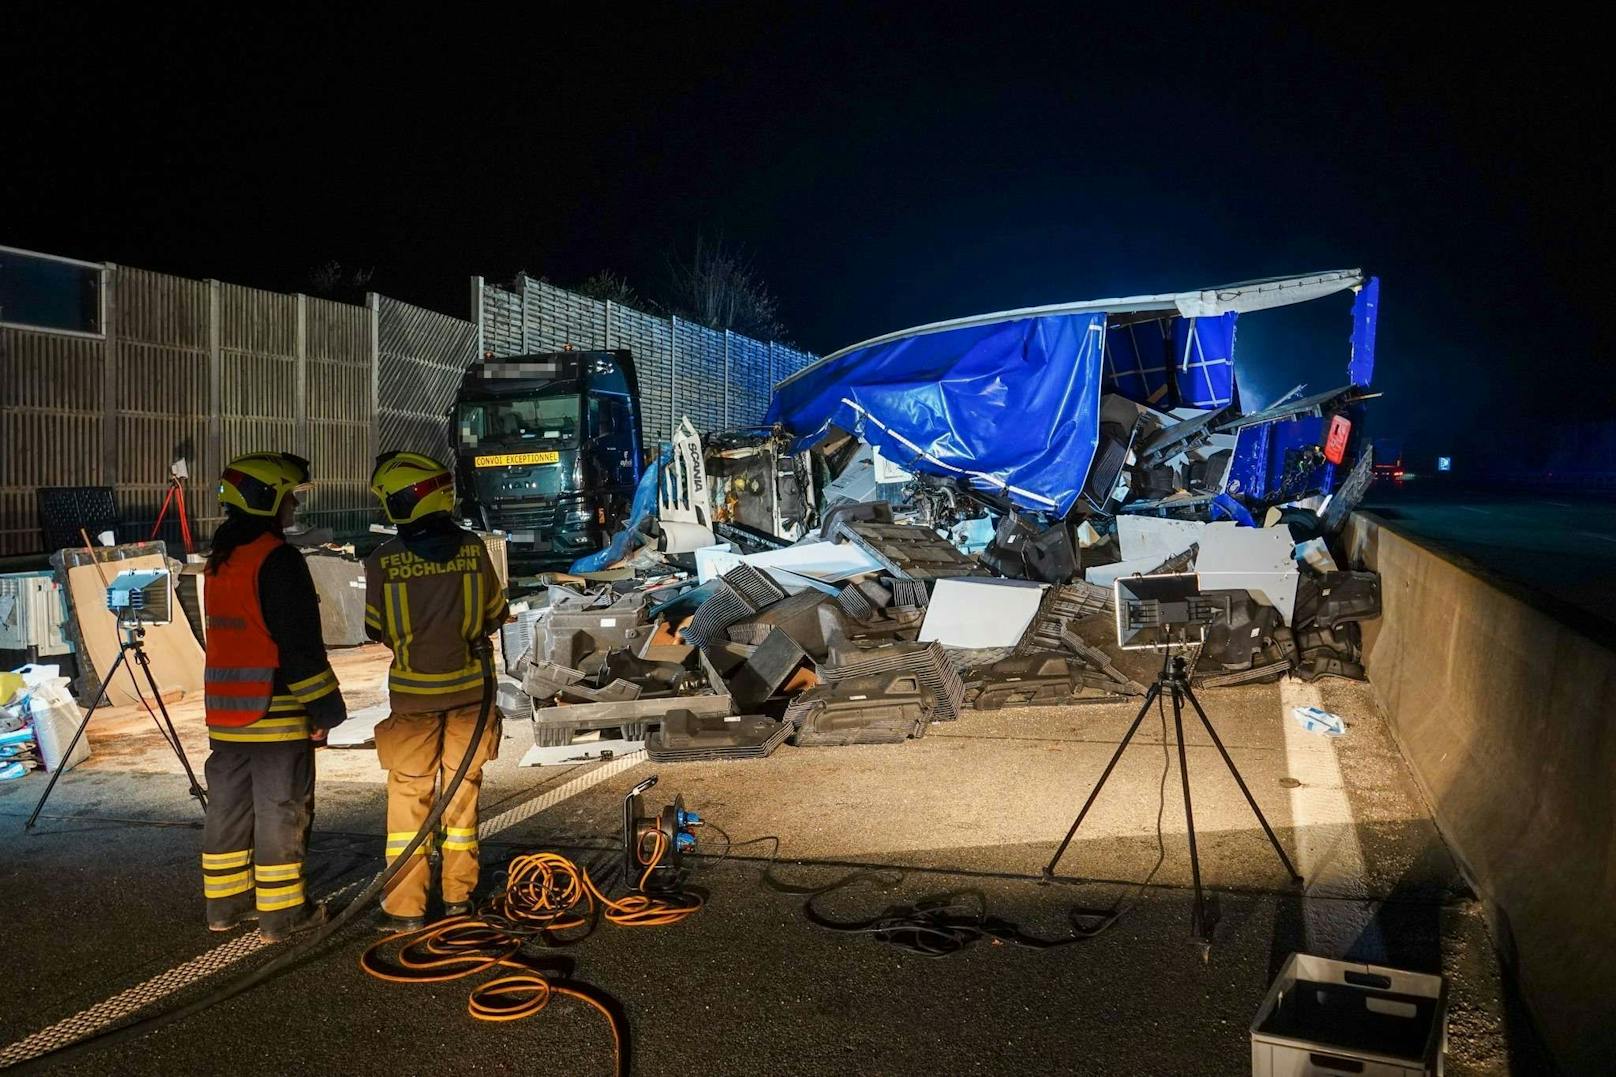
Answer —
(238, 679)
(286, 720)
(428, 612)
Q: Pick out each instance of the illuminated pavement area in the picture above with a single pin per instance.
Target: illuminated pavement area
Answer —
(104, 896)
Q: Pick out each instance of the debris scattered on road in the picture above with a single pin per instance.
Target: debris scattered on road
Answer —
(1319, 720)
(870, 563)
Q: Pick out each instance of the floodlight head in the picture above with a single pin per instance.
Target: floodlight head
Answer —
(1155, 612)
(141, 597)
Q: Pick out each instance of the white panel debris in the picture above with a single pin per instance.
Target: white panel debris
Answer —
(1257, 559)
(980, 612)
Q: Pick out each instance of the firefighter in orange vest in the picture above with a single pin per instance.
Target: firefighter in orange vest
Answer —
(431, 593)
(270, 697)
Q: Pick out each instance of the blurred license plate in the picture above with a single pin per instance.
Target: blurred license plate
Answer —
(507, 459)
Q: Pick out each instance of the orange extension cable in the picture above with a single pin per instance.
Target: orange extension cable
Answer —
(543, 892)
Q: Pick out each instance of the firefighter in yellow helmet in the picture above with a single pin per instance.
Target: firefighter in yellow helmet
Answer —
(270, 696)
(429, 594)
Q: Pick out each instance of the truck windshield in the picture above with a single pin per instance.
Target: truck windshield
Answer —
(520, 420)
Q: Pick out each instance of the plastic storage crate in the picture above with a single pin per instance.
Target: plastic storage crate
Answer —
(1323, 1018)
(31, 614)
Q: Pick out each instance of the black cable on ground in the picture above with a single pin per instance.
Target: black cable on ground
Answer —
(943, 925)
(144, 1025)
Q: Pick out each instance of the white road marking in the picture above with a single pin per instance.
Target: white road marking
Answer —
(1327, 851)
(134, 999)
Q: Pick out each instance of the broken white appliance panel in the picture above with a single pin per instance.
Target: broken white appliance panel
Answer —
(976, 612)
(1260, 560)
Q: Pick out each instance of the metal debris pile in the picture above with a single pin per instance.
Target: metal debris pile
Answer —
(877, 622)
(937, 520)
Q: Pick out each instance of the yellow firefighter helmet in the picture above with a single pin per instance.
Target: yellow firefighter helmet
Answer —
(411, 486)
(258, 482)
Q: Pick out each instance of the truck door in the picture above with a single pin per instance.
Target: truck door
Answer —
(612, 435)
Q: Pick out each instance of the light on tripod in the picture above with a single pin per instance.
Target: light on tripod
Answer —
(1166, 613)
(1154, 612)
(141, 597)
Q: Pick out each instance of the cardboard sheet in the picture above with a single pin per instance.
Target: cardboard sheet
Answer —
(176, 657)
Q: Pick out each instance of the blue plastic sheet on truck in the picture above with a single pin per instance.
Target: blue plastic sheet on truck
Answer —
(1013, 407)
(623, 542)
(1365, 313)
(1172, 362)
(1203, 351)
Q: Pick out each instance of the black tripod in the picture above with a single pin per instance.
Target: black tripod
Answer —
(1175, 679)
(133, 643)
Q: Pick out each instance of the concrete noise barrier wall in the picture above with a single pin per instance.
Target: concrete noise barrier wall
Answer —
(1507, 715)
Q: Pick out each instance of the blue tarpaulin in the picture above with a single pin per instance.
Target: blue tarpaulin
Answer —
(1172, 362)
(1204, 360)
(624, 542)
(1365, 313)
(1012, 406)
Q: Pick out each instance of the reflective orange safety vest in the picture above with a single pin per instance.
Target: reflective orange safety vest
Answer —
(242, 657)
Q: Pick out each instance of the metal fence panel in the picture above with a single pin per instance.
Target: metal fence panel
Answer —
(720, 380)
(52, 409)
(423, 357)
(650, 339)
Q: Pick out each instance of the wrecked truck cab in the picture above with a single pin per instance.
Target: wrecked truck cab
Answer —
(1014, 405)
(547, 449)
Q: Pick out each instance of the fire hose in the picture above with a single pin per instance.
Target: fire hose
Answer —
(123, 1033)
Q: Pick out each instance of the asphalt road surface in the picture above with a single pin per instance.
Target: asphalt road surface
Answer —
(103, 918)
(1554, 542)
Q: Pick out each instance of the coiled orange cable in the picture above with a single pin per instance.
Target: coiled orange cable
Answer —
(543, 892)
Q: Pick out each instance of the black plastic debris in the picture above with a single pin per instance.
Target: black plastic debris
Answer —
(877, 708)
(930, 662)
(919, 553)
(906, 592)
(769, 667)
(797, 616)
(754, 585)
(684, 737)
(1040, 680)
(1021, 550)
(1061, 606)
(1336, 598)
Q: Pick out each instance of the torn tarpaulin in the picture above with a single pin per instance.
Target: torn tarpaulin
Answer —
(1010, 406)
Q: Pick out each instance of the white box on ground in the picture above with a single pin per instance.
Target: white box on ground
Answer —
(1323, 1017)
(972, 612)
(1257, 559)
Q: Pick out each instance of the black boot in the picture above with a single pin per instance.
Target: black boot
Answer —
(452, 909)
(388, 924)
(233, 921)
(307, 918)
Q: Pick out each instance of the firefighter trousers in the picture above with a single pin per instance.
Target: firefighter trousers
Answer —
(260, 808)
(421, 753)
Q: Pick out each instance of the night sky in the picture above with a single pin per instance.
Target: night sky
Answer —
(883, 166)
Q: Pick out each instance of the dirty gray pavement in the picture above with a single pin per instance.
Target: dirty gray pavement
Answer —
(103, 897)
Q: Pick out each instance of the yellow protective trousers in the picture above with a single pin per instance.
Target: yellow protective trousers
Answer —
(421, 753)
